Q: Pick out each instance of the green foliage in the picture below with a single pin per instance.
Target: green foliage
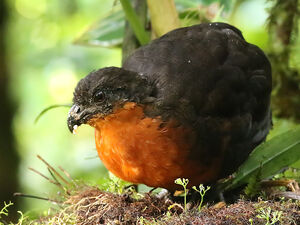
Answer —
(202, 191)
(253, 187)
(283, 26)
(269, 216)
(45, 67)
(4, 211)
(251, 221)
(269, 157)
(291, 174)
(109, 30)
(22, 219)
(183, 182)
(115, 184)
(135, 23)
(143, 221)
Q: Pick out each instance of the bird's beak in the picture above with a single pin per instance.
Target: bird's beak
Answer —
(75, 117)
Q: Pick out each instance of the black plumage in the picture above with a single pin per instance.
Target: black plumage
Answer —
(206, 77)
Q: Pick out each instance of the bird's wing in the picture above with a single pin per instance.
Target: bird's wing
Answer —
(209, 66)
(208, 75)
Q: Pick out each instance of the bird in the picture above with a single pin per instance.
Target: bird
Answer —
(191, 104)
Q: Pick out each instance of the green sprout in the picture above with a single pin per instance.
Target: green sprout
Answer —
(21, 219)
(269, 216)
(183, 182)
(4, 210)
(251, 221)
(202, 190)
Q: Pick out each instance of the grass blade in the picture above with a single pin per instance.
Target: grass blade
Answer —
(49, 108)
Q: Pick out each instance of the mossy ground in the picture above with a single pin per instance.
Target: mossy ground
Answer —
(115, 203)
(90, 205)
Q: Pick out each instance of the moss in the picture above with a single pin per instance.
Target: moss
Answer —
(91, 205)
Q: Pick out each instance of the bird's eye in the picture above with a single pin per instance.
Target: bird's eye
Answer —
(99, 96)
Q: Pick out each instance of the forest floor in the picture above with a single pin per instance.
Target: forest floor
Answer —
(90, 205)
(116, 203)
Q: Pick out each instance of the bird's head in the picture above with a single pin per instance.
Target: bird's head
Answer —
(104, 90)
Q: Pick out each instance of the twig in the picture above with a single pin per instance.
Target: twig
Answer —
(17, 194)
(53, 170)
(68, 175)
(44, 176)
(62, 187)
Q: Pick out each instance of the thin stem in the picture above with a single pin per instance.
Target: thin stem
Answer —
(200, 205)
(134, 22)
(185, 194)
(53, 170)
(49, 108)
(130, 41)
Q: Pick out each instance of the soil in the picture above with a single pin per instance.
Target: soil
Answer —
(91, 205)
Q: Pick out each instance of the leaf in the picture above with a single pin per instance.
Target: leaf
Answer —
(107, 32)
(269, 157)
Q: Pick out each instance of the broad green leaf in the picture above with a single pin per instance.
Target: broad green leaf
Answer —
(107, 32)
(270, 157)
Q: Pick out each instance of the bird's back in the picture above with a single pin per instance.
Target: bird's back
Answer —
(208, 77)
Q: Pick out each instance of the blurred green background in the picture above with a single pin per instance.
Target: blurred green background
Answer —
(44, 66)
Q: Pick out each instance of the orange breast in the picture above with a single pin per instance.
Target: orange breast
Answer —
(139, 149)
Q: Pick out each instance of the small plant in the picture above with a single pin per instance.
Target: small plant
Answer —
(269, 216)
(116, 185)
(202, 191)
(142, 221)
(4, 210)
(253, 187)
(251, 221)
(21, 219)
(183, 182)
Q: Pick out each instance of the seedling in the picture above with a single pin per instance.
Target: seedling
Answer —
(4, 210)
(116, 185)
(251, 221)
(269, 216)
(202, 190)
(183, 182)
